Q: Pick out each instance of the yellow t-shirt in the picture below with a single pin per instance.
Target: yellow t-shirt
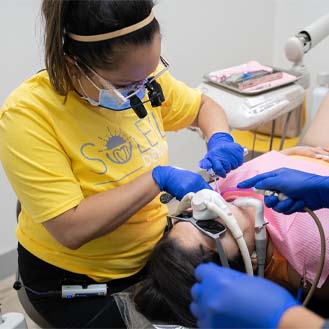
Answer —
(55, 154)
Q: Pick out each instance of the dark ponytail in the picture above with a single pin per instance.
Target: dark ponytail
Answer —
(90, 17)
(54, 13)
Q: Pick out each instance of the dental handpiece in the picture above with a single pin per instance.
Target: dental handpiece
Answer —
(316, 280)
(279, 195)
(215, 178)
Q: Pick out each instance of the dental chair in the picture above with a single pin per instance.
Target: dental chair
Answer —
(22, 295)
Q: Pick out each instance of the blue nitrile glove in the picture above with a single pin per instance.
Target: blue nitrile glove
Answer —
(223, 154)
(225, 298)
(302, 189)
(178, 182)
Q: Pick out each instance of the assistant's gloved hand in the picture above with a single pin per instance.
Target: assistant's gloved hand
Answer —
(178, 182)
(225, 298)
(223, 154)
(302, 189)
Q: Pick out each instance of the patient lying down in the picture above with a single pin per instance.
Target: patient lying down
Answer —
(293, 248)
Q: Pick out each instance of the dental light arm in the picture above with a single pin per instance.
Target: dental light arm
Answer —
(303, 42)
(307, 39)
(260, 230)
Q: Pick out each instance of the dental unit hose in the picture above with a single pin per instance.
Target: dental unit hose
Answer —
(260, 230)
(208, 204)
(316, 280)
(234, 228)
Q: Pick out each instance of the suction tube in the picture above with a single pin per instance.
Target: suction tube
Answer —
(234, 228)
(317, 221)
(260, 230)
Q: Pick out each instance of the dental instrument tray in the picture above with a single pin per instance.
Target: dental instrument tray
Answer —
(251, 78)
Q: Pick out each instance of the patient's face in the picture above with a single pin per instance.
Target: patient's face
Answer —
(189, 236)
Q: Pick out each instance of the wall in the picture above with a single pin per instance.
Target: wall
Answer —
(21, 56)
(291, 17)
(201, 36)
(198, 36)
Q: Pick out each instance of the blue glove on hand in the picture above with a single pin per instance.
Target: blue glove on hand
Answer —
(301, 188)
(223, 154)
(225, 298)
(178, 182)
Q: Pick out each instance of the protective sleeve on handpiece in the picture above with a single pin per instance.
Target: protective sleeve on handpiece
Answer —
(224, 298)
(302, 189)
(178, 182)
(223, 154)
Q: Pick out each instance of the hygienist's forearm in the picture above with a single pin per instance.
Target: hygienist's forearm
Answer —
(299, 317)
(102, 213)
(211, 118)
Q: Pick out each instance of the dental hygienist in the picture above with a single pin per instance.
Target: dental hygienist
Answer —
(224, 298)
(83, 145)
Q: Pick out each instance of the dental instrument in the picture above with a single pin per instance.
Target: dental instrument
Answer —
(260, 230)
(212, 175)
(315, 282)
(279, 195)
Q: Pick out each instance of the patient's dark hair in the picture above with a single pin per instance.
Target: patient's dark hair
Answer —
(164, 297)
